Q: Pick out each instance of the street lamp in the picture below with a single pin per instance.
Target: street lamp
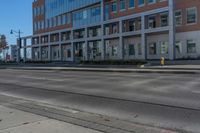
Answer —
(18, 42)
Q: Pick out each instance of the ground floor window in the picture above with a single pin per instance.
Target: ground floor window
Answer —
(139, 49)
(131, 49)
(114, 50)
(94, 50)
(178, 47)
(55, 53)
(45, 53)
(191, 46)
(69, 53)
(111, 48)
(79, 49)
(152, 48)
(164, 47)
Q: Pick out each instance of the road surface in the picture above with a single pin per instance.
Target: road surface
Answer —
(169, 101)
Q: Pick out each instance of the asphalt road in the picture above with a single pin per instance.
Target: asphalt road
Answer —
(162, 100)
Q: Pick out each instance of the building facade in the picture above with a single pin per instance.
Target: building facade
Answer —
(74, 30)
(13, 52)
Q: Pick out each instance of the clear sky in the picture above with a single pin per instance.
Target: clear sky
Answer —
(15, 14)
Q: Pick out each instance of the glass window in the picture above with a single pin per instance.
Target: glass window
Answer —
(64, 19)
(114, 7)
(178, 17)
(152, 48)
(55, 22)
(106, 17)
(139, 49)
(131, 3)
(59, 20)
(151, 22)
(132, 25)
(151, 1)
(178, 47)
(191, 46)
(122, 5)
(140, 2)
(38, 25)
(191, 15)
(131, 49)
(164, 47)
(164, 19)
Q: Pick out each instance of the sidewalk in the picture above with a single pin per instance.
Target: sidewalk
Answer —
(15, 121)
(173, 69)
(148, 69)
(42, 118)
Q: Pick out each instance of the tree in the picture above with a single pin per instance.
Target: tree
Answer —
(3, 44)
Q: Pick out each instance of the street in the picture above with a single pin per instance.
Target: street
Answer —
(169, 101)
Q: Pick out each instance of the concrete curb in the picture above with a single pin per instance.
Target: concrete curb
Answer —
(143, 70)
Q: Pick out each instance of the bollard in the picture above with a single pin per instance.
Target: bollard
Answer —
(162, 61)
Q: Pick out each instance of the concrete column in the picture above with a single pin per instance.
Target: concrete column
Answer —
(143, 38)
(72, 51)
(40, 51)
(103, 50)
(102, 32)
(18, 51)
(25, 42)
(49, 48)
(60, 47)
(172, 31)
(86, 51)
(85, 48)
(49, 52)
(60, 52)
(102, 10)
(121, 42)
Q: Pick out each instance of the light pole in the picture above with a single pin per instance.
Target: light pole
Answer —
(18, 43)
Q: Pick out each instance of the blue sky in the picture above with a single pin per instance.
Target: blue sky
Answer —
(15, 14)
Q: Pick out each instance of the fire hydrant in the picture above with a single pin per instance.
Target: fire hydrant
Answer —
(162, 61)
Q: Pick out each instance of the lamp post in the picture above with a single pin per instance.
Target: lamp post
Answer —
(18, 43)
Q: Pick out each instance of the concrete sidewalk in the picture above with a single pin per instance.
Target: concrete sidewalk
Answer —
(42, 118)
(15, 121)
(166, 70)
(175, 67)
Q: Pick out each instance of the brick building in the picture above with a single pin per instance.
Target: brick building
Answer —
(73, 30)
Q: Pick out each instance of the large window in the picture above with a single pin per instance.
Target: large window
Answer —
(87, 16)
(151, 22)
(178, 47)
(191, 15)
(132, 25)
(122, 5)
(164, 47)
(152, 48)
(131, 4)
(140, 2)
(191, 46)
(139, 49)
(164, 19)
(114, 6)
(131, 49)
(151, 1)
(178, 17)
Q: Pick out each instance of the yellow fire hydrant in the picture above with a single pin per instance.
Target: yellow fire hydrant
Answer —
(162, 61)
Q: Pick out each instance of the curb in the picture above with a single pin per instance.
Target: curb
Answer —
(166, 71)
